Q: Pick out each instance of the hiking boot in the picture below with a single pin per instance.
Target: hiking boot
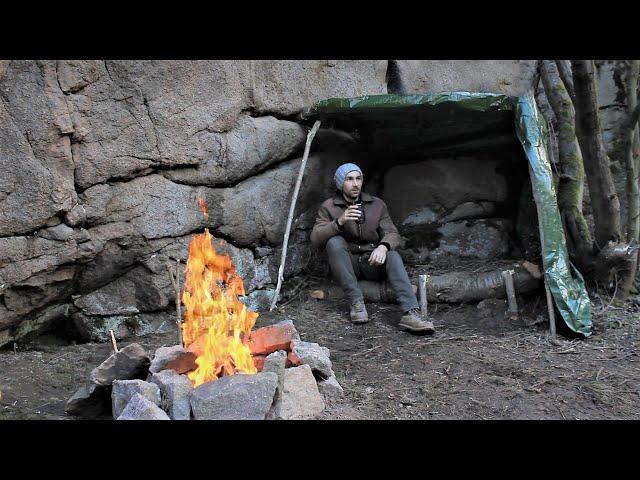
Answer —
(358, 312)
(413, 322)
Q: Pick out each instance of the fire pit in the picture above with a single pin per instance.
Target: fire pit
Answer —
(223, 370)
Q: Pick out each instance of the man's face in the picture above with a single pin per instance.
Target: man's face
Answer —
(352, 184)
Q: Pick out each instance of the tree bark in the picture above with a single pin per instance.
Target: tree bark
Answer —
(632, 191)
(604, 199)
(633, 195)
(564, 70)
(571, 185)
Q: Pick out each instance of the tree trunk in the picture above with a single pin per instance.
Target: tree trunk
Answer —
(633, 195)
(604, 199)
(564, 70)
(571, 185)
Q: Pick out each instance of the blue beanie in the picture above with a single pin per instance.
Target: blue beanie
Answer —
(342, 172)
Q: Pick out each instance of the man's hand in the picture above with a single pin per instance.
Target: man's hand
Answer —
(378, 256)
(351, 213)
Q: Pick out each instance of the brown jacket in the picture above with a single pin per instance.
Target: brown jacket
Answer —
(377, 228)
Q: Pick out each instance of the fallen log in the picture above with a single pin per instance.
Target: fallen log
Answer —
(454, 287)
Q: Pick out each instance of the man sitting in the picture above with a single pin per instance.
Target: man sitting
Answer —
(361, 241)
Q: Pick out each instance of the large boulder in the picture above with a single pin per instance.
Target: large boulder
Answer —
(285, 87)
(508, 77)
(422, 192)
(37, 182)
(254, 144)
(141, 115)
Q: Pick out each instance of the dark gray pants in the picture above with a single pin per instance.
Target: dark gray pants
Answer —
(347, 268)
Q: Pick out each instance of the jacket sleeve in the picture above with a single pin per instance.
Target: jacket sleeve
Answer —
(387, 230)
(324, 228)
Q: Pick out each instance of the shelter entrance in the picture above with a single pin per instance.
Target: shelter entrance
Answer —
(459, 186)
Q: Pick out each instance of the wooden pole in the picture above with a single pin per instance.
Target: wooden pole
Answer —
(175, 281)
(552, 316)
(422, 287)
(113, 342)
(507, 276)
(292, 208)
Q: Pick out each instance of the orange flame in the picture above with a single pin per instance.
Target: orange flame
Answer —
(203, 207)
(215, 322)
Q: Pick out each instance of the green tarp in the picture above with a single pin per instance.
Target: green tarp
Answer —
(445, 121)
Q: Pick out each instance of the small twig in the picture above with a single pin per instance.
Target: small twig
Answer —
(175, 281)
(113, 341)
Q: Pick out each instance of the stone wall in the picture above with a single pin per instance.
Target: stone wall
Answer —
(103, 161)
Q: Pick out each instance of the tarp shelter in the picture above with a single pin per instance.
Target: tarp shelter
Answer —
(459, 121)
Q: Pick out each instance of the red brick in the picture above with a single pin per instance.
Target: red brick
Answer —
(266, 340)
(186, 362)
(258, 361)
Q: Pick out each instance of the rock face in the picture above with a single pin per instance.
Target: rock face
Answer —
(103, 163)
(509, 77)
(236, 397)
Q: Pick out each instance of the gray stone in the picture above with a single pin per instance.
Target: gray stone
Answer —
(276, 362)
(508, 77)
(300, 399)
(235, 397)
(123, 119)
(139, 408)
(175, 390)
(441, 184)
(470, 210)
(259, 300)
(153, 206)
(60, 232)
(252, 145)
(90, 401)
(123, 390)
(129, 363)
(315, 356)
(116, 298)
(330, 388)
(97, 328)
(174, 358)
(287, 86)
(481, 239)
(35, 155)
(76, 216)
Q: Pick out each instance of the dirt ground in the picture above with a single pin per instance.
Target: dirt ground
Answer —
(478, 365)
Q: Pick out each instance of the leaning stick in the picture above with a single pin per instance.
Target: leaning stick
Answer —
(292, 208)
(552, 316)
(113, 342)
(175, 281)
(507, 276)
(423, 295)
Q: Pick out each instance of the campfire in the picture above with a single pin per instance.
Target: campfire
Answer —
(223, 369)
(216, 323)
